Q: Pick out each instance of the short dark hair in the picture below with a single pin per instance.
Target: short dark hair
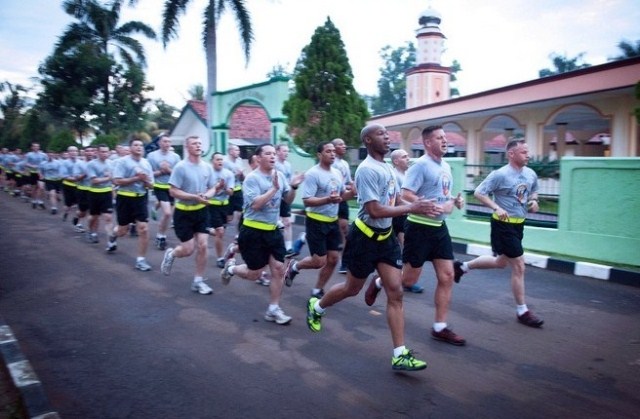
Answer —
(429, 130)
(320, 147)
(513, 142)
(261, 147)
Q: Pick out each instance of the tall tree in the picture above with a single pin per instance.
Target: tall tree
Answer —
(12, 107)
(98, 26)
(628, 50)
(174, 8)
(324, 104)
(392, 84)
(563, 64)
(196, 92)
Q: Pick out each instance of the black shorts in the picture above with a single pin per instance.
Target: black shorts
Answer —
(33, 178)
(217, 215)
(322, 236)
(285, 209)
(362, 254)
(53, 185)
(11, 175)
(256, 246)
(100, 203)
(506, 238)
(426, 243)
(398, 224)
(69, 195)
(187, 223)
(82, 199)
(343, 210)
(131, 209)
(235, 202)
(21, 180)
(163, 195)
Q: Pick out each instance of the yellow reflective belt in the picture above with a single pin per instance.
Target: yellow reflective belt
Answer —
(130, 194)
(216, 202)
(69, 183)
(237, 188)
(370, 233)
(418, 219)
(101, 190)
(83, 187)
(510, 220)
(185, 207)
(320, 217)
(162, 186)
(259, 225)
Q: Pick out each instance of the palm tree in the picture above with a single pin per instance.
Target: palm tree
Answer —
(563, 64)
(212, 13)
(628, 50)
(98, 29)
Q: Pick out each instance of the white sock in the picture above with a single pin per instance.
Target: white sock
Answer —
(139, 258)
(439, 326)
(378, 283)
(230, 269)
(316, 290)
(197, 279)
(294, 267)
(317, 308)
(522, 309)
(465, 267)
(273, 307)
(398, 351)
(287, 244)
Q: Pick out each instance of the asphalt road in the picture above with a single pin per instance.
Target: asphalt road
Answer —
(108, 341)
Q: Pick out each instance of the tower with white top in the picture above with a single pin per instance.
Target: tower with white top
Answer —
(428, 82)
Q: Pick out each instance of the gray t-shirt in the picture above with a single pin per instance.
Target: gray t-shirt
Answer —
(430, 179)
(343, 167)
(79, 170)
(193, 178)
(98, 168)
(156, 159)
(229, 182)
(511, 188)
(50, 170)
(234, 167)
(127, 167)
(257, 183)
(375, 181)
(285, 168)
(319, 183)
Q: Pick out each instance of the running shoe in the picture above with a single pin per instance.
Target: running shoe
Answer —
(342, 269)
(167, 261)
(289, 273)
(225, 276)
(143, 266)
(54, 211)
(161, 243)
(79, 228)
(229, 253)
(93, 238)
(447, 335)
(529, 319)
(457, 271)
(264, 279)
(415, 288)
(407, 362)
(314, 319)
(277, 316)
(318, 294)
(201, 288)
(220, 263)
(112, 246)
(372, 292)
(41, 206)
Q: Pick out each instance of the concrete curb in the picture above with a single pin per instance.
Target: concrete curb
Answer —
(24, 378)
(588, 269)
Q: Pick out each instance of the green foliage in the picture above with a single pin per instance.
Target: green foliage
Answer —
(392, 84)
(545, 168)
(164, 117)
(628, 50)
(12, 107)
(563, 64)
(109, 139)
(61, 140)
(324, 104)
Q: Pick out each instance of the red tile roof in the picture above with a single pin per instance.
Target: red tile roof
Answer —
(248, 122)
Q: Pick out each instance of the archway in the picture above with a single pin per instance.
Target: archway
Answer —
(269, 95)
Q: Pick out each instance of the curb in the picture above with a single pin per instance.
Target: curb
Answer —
(588, 269)
(24, 378)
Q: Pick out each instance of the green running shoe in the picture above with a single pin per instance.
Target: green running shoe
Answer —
(407, 362)
(313, 317)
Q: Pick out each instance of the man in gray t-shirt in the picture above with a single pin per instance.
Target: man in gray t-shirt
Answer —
(371, 245)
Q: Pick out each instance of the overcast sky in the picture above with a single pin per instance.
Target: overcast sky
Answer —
(497, 42)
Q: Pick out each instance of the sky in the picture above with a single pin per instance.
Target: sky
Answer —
(498, 42)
